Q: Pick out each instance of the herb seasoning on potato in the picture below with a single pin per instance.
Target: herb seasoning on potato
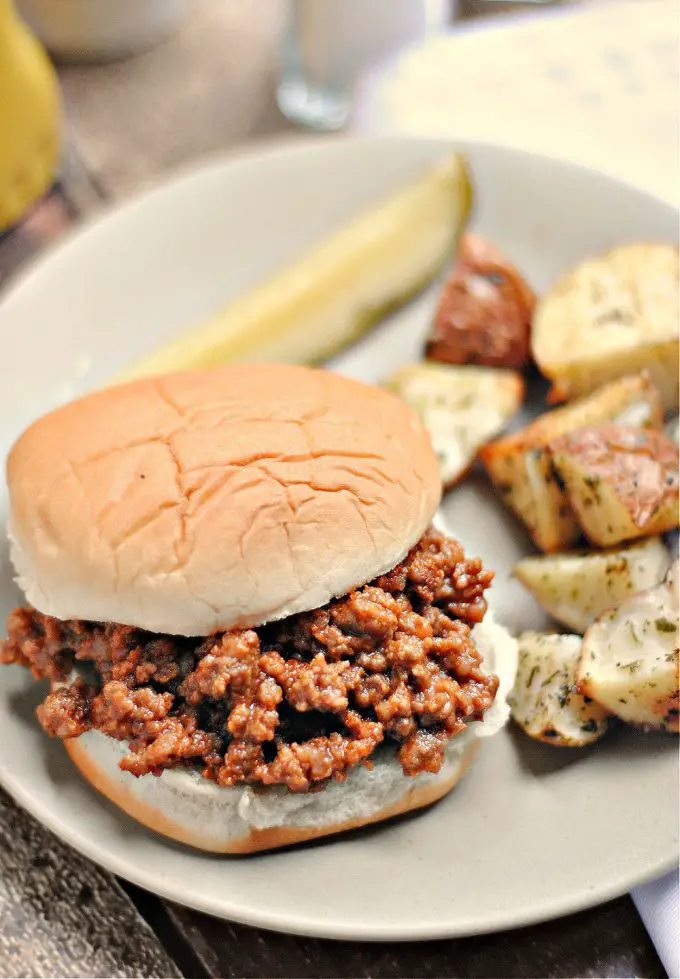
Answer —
(612, 315)
(622, 482)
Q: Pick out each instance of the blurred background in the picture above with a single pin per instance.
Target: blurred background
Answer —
(131, 89)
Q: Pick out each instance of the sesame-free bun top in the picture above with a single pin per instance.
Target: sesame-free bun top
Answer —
(212, 499)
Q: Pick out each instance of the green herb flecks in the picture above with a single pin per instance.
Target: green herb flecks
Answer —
(665, 625)
(564, 693)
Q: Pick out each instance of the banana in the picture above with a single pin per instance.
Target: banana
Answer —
(29, 118)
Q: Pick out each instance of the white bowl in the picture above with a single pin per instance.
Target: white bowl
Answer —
(94, 30)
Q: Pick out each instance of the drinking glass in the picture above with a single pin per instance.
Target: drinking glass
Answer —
(329, 44)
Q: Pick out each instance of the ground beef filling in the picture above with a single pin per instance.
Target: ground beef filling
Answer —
(293, 703)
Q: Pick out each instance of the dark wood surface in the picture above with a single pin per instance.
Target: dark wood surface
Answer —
(59, 914)
(62, 916)
(608, 941)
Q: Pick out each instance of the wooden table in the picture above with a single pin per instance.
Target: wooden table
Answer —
(210, 87)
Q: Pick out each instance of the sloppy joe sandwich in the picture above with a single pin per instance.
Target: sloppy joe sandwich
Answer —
(253, 631)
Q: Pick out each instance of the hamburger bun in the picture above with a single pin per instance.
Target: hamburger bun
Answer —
(186, 807)
(215, 500)
(209, 500)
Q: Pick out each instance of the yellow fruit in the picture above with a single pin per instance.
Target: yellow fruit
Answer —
(338, 290)
(29, 118)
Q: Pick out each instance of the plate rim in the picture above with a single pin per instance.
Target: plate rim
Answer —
(505, 920)
(206, 162)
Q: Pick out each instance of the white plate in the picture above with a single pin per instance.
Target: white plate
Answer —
(532, 832)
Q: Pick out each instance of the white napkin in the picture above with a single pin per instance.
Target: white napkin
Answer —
(512, 81)
(659, 906)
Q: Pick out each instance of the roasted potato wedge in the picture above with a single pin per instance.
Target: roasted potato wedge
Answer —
(622, 482)
(545, 702)
(629, 658)
(576, 587)
(484, 313)
(521, 469)
(612, 315)
(461, 407)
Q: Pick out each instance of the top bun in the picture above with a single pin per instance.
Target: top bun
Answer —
(215, 499)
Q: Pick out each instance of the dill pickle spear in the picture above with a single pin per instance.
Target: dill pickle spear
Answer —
(338, 290)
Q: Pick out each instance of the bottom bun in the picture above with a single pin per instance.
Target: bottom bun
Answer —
(188, 808)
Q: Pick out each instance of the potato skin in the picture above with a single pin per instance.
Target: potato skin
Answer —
(520, 466)
(484, 313)
(622, 482)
